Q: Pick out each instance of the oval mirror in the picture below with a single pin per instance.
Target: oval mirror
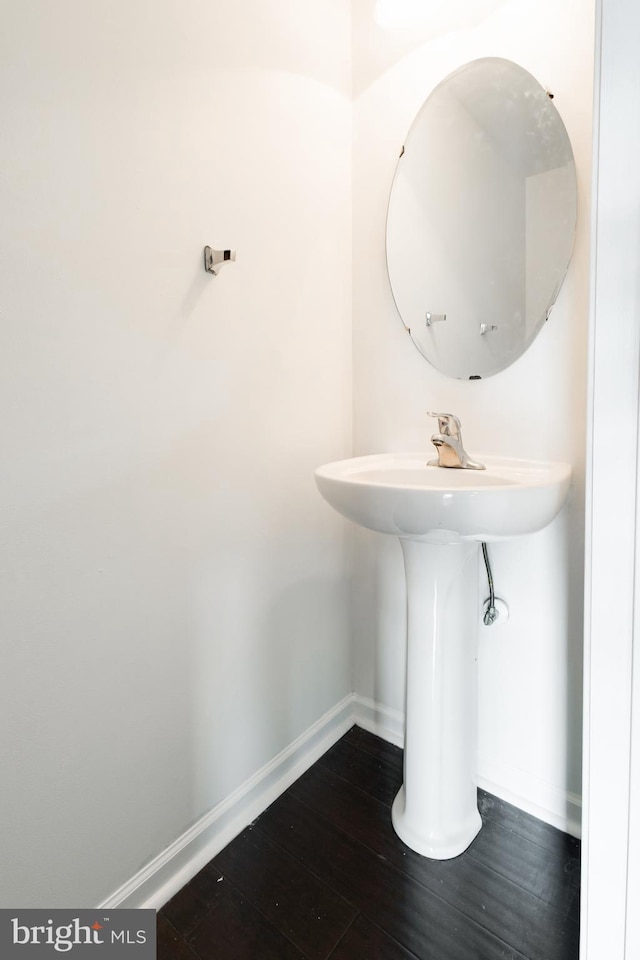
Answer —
(481, 218)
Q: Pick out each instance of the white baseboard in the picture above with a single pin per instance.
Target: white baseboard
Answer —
(385, 722)
(167, 873)
(541, 799)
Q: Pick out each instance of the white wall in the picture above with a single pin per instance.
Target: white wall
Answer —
(530, 667)
(174, 591)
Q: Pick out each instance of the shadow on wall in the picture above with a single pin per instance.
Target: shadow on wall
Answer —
(530, 671)
(390, 30)
(379, 587)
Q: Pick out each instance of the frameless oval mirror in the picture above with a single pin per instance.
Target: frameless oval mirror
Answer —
(481, 218)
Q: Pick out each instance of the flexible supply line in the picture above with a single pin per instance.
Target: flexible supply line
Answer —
(490, 614)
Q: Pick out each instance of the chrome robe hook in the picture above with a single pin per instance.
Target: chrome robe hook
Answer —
(214, 259)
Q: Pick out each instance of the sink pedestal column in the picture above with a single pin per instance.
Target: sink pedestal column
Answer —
(436, 811)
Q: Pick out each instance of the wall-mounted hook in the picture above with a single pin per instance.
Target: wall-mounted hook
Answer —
(213, 259)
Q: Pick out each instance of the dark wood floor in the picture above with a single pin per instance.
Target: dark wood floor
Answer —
(321, 874)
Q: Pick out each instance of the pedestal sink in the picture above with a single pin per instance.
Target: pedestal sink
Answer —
(441, 516)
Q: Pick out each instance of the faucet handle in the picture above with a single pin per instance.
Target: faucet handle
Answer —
(448, 424)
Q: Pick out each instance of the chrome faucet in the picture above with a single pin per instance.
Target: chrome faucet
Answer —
(448, 443)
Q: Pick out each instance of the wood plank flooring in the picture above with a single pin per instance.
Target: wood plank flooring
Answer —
(321, 875)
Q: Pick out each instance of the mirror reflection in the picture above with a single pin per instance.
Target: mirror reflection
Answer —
(481, 218)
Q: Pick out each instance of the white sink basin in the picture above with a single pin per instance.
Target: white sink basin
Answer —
(398, 493)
